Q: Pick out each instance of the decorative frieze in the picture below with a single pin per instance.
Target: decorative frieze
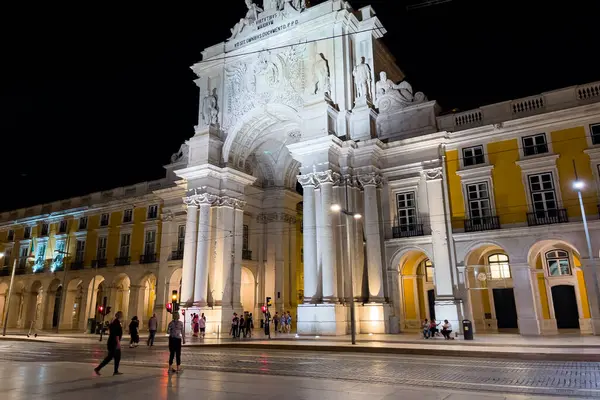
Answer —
(327, 177)
(370, 179)
(433, 173)
(266, 218)
(197, 197)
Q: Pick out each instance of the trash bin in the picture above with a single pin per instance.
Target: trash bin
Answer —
(467, 329)
(91, 325)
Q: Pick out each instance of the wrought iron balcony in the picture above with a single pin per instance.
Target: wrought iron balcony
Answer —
(177, 255)
(548, 217)
(246, 254)
(121, 261)
(76, 265)
(482, 224)
(408, 230)
(99, 263)
(148, 258)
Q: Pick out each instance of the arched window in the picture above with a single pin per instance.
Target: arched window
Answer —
(557, 262)
(428, 268)
(499, 267)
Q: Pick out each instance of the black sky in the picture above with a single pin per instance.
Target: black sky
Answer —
(99, 95)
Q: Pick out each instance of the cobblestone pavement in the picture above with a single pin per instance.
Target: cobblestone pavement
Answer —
(579, 379)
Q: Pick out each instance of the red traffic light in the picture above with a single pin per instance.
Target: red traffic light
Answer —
(100, 309)
(169, 307)
(264, 309)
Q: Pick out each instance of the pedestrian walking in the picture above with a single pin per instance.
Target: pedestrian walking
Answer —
(113, 344)
(202, 325)
(196, 325)
(176, 339)
(152, 327)
(134, 332)
(249, 325)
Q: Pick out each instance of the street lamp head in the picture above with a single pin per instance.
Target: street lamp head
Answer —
(578, 185)
(357, 216)
(1, 254)
(336, 208)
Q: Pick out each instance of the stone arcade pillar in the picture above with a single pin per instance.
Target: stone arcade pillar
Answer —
(311, 276)
(528, 314)
(189, 254)
(446, 304)
(205, 202)
(590, 275)
(326, 181)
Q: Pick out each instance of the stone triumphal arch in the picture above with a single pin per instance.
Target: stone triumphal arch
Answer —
(289, 98)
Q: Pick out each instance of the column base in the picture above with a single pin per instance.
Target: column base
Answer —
(548, 327)
(374, 318)
(452, 310)
(529, 327)
(323, 319)
(590, 326)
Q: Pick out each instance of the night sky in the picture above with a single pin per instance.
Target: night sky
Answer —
(99, 95)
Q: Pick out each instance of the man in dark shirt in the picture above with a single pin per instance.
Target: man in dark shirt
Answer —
(113, 344)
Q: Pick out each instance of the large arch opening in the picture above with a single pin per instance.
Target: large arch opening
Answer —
(119, 295)
(73, 317)
(34, 305)
(416, 288)
(3, 296)
(248, 290)
(147, 299)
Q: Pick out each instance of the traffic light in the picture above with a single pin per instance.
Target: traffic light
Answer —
(174, 302)
(264, 309)
(107, 310)
(269, 304)
(101, 310)
(169, 307)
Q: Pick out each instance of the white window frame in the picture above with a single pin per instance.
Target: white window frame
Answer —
(416, 206)
(180, 239)
(400, 186)
(66, 227)
(124, 213)
(146, 241)
(533, 134)
(98, 248)
(589, 133)
(148, 217)
(473, 175)
(41, 244)
(500, 264)
(428, 268)
(554, 189)
(463, 157)
(47, 225)
(594, 154)
(79, 223)
(79, 252)
(8, 235)
(121, 236)
(539, 165)
(107, 220)
(568, 258)
(25, 230)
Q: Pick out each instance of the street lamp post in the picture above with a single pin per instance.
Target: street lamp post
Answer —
(349, 216)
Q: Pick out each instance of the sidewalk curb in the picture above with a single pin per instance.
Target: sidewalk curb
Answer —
(406, 351)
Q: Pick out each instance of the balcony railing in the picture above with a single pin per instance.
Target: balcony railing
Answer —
(547, 217)
(177, 255)
(409, 230)
(246, 254)
(148, 258)
(121, 261)
(99, 263)
(76, 265)
(482, 224)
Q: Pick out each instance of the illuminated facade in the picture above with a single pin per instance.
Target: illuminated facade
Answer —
(469, 215)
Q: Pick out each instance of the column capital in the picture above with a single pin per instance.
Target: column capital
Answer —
(227, 201)
(369, 179)
(433, 174)
(327, 177)
(307, 180)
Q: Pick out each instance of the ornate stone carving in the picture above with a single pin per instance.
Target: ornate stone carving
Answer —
(226, 201)
(295, 134)
(307, 180)
(321, 83)
(210, 108)
(205, 198)
(327, 177)
(391, 96)
(167, 216)
(181, 155)
(270, 79)
(249, 19)
(266, 218)
(362, 79)
(433, 173)
(199, 196)
(370, 179)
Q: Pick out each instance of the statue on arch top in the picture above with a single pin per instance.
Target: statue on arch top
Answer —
(390, 95)
(362, 79)
(249, 19)
(210, 108)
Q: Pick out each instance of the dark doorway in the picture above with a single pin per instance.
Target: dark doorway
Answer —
(506, 309)
(431, 302)
(565, 307)
(57, 300)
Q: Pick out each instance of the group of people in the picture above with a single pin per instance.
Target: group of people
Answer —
(242, 325)
(198, 325)
(283, 322)
(113, 344)
(430, 329)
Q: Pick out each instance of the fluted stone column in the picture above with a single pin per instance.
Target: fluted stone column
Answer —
(205, 202)
(309, 238)
(189, 253)
(373, 235)
(326, 181)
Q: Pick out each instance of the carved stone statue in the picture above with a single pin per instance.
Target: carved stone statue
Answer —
(299, 5)
(181, 154)
(210, 108)
(391, 95)
(321, 77)
(251, 16)
(362, 78)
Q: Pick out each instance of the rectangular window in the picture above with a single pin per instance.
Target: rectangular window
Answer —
(83, 221)
(41, 254)
(80, 251)
(478, 198)
(62, 227)
(125, 245)
(104, 219)
(245, 238)
(150, 244)
(128, 215)
(595, 132)
(11, 235)
(543, 195)
(27, 232)
(535, 144)
(101, 250)
(44, 230)
(429, 271)
(473, 156)
(59, 254)
(407, 210)
(180, 238)
(153, 211)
